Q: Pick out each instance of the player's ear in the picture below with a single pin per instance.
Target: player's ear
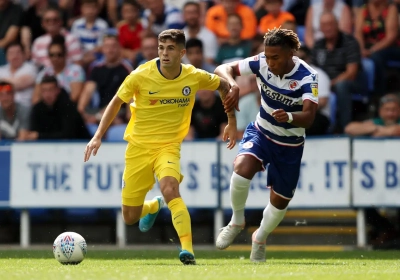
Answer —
(183, 52)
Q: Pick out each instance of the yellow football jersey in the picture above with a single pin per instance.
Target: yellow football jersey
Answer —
(162, 108)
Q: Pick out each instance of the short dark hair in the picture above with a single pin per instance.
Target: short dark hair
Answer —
(132, 3)
(284, 38)
(58, 40)
(193, 43)
(175, 35)
(306, 50)
(53, 8)
(84, 2)
(14, 44)
(191, 3)
(48, 79)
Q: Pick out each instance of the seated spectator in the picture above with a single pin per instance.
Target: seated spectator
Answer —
(130, 30)
(337, 7)
(291, 25)
(338, 54)
(275, 17)
(89, 29)
(10, 24)
(52, 23)
(194, 53)
(387, 124)
(217, 18)
(377, 30)
(70, 77)
(14, 117)
(32, 24)
(235, 48)
(158, 17)
(104, 81)
(194, 29)
(55, 116)
(148, 51)
(322, 117)
(20, 73)
(297, 8)
(208, 117)
(249, 105)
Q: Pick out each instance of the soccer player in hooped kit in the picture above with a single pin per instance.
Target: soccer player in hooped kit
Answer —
(163, 92)
(289, 101)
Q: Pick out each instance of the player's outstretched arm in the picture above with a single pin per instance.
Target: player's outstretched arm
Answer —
(230, 130)
(302, 119)
(228, 72)
(109, 115)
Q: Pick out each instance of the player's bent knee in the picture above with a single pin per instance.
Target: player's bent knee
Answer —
(169, 188)
(131, 214)
(247, 166)
(278, 201)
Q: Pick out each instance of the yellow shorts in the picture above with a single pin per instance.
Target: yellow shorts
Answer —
(140, 167)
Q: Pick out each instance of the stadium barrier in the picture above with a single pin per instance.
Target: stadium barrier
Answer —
(337, 172)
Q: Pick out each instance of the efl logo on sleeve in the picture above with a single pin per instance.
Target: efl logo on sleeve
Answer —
(314, 89)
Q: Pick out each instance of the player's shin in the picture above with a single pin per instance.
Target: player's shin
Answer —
(272, 216)
(239, 190)
(181, 222)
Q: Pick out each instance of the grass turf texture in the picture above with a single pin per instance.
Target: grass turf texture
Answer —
(132, 264)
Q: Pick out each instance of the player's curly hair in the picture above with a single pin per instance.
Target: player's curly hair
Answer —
(285, 38)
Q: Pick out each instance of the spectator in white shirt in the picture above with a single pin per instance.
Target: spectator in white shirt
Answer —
(194, 29)
(20, 73)
(52, 23)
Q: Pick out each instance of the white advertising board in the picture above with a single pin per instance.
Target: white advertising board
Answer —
(324, 177)
(54, 175)
(376, 172)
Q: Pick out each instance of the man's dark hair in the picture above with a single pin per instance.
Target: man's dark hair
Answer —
(83, 2)
(14, 44)
(49, 80)
(193, 43)
(238, 17)
(53, 8)
(58, 40)
(132, 3)
(191, 3)
(175, 35)
(306, 50)
(284, 38)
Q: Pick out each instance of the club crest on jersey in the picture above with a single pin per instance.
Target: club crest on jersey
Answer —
(314, 89)
(293, 84)
(186, 91)
(247, 145)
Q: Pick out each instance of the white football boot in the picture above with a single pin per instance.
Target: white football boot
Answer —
(257, 249)
(227, 235)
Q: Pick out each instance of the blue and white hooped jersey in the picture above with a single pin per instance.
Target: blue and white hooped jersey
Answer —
(287, 93)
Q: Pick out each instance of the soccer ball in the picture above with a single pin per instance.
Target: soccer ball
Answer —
(69, 248)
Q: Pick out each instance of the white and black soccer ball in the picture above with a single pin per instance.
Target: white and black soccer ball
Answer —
(69, 248)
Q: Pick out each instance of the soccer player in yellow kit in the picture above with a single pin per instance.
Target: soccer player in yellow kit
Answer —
(163, 92)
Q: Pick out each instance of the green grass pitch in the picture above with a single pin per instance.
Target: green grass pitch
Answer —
(220, 265)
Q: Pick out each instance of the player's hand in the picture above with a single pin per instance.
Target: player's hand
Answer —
(230, 133)
(232, 99)
(91, 148)
(280, 116)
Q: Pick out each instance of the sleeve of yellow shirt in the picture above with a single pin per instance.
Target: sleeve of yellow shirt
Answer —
(207, 80)
(128, 88)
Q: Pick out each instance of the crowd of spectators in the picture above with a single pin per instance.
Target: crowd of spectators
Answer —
(61, 61)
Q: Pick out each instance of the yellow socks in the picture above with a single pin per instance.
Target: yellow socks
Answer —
(149, 206)
(181, 221)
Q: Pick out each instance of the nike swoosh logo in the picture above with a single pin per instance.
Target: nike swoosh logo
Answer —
(171, 162)
(153, 92)
(178, 216)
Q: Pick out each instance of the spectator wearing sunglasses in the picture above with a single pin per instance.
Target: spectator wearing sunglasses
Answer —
(52, 23)
(70, 76)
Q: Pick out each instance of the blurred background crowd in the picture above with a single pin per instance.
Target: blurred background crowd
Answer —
(61, 61)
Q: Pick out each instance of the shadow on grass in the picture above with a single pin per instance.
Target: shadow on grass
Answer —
(227, 255)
